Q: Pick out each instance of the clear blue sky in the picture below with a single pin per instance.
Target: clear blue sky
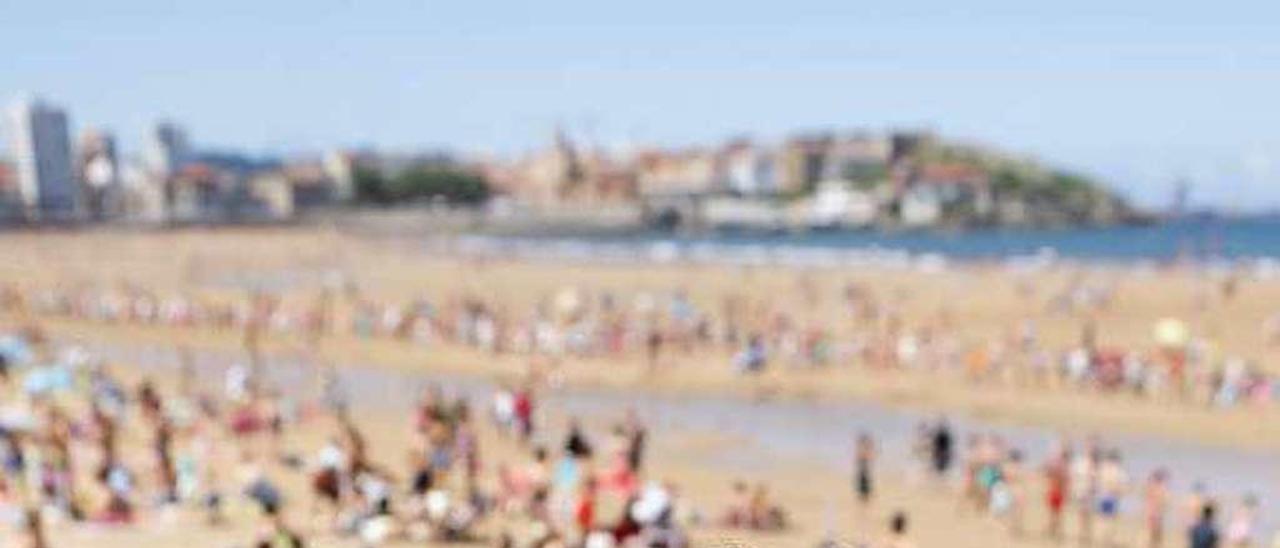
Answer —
(1139, 93)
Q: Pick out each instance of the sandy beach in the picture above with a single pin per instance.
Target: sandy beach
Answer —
(977, 303)
(973, 303)
(815, 494)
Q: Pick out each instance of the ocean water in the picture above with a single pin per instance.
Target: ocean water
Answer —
(1196, 239)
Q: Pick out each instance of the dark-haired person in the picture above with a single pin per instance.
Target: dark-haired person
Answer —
(941, 448)
(863, 462)
(1204, 534)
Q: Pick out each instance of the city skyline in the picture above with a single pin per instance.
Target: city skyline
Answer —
(1141, 96)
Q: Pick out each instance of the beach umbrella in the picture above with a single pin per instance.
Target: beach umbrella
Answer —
(568, 302)
(1172, 333)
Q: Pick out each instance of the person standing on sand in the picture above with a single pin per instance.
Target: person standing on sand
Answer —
(1243, 522)
(653, 348)
(941, 448)
(972, 491)
(1113, 484)
(633, 429)
(576, 443)
(1204, 534)
(1156, 502)
(753, 358)
(524, 412)
(863, 459)
(1084, 487)
(1013, 481)
(1057, 486)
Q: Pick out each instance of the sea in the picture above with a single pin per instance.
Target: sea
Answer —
(1203, 240)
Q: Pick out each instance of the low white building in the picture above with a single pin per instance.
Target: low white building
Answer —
(920, 207)
(838, 203)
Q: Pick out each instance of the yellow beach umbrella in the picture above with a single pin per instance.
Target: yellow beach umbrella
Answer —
(1172, 333)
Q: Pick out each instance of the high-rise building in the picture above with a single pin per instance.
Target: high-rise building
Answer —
(42, 151)
(168, 150)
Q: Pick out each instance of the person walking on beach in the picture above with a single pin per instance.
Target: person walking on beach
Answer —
(1057, 485)
(653, 348)
(753, 358)
(524, 412)
(635, 433)
(1084, 487)
(1156, 503)
(941, 448)
(1113, 484)
(863, 459)
(1192, 505)
(1011, 491)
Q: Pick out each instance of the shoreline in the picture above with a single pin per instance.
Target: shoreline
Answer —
(812, 247)
(697, 384)
(690, 455)
(1247, 429)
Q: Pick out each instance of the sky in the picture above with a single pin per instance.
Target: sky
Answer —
(1139, 93)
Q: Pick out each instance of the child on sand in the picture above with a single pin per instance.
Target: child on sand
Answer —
(1241, 528)
(898, 537)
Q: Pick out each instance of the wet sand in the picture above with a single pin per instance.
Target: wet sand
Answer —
(701, 459)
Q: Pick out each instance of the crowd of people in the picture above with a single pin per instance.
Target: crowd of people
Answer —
(81, 443)
(1088, 484)
(61, 432)
(755, 332)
